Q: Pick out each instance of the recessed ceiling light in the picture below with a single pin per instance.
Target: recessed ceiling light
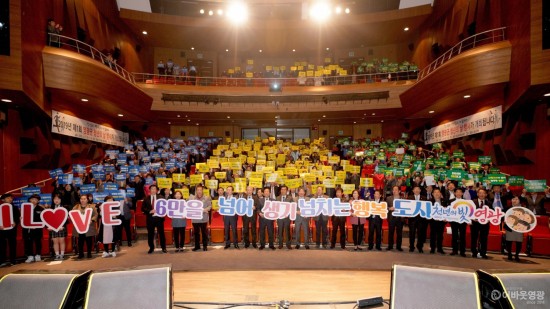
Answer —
(406, 29)
(374, 114)
(84, 100)
(467, 96)
(197, 123)
(226, 50)
(179, 116)
(364, 114)
(6, 100)
(120, 115)
(220, 12)
(293, 50)
(355, 122)
(338, 10)
(201, 11)
(547, 95)
(169, 122)
(318, 119)
(188, 120)
(347, 11)
(260, 50)
(431, 112)
(192, 48)
(381, 120)
(210, 13)
(144, 32)
(328, 48)
(228, 117)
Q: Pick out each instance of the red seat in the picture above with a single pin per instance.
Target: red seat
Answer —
(141, 220)
(216, 228)
(539, 237)
(495, 239)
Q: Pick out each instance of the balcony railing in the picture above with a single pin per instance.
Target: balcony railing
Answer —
(267, 81)
(82, 48)
(486, 37)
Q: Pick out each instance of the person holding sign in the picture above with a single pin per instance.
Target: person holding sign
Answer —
(106, 233)
(266, 224)
(199, 225)
(249, 223)
(153, 222)
(458, 230)
(536, 201)
(33, 237)
(301, 223)
(283, 225)
(230, 224)
(178, 227)
(395, 223)
(437, 227)
(321, 223)
(58, 238)
(375, 225)
(512, 236)
(480, 231)
(9, 234)
(357, 223)
(339, 223)
(87, 237)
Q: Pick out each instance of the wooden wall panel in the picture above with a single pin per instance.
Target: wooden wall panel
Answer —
(219, 131)
(540, 74)
(334, 130)
(175, 131)
(360, 130)
(10, 66)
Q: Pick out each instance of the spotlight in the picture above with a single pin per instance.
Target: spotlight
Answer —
(338, 10)
(220, 12)
(406, 29)
(320, 11)
(192, 48)
(325, 100)
(237, 13)
(275, 87)
(210, 13)
(201, 11)
(347, 10)
(144, 32)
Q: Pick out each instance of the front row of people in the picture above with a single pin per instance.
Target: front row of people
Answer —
(418, 226)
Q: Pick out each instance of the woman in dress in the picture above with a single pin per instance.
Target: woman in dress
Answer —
(58, 238)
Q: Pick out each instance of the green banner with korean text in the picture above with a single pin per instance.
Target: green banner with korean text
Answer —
(535, 185)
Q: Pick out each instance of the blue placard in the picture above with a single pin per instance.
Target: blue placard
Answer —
(128, 146)
(30, 191)
(100, 175)
(112, 153)
(20, 200)
(155, 155)
(119, 195)
(151, 147)
(109, 186)
(109, 168)
(99, 197)
(143, 168)
(56, 172)
(45, 199)
(86, 189)
(124, 169)
(149, 181)
(146, 159)
(155, 166)
(97, 168)
(130, 192)
(122, 157)
(161, 176)
(120, 177)
(180, 164)
(65, 179)
(169, 165)
(133, 171)
(77, 182)
(164, 155)
(79, 168)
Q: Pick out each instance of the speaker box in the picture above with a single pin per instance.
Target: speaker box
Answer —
(43, 289)
(136, 288)
(324, 132)
(369, 131)
(527, 141)
(418, 287)
(182, 133)
(227, 134)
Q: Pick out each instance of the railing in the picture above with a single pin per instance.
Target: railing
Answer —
(486, 37)
(282, 81)
(82, 48)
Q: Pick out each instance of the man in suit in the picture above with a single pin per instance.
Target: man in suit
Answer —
(301, 222)
(499, 198)
(125, 218)
(199, 225)
(395, 223)
(375, 225)
(249, 223)
(536, 201)
(321, 223)
(9, 235)
(478, 230)
(137, 184)
(283, 225)
(153, 222)
(417, 225)
(265, 224)
(230, 224)
(437, 227)
(339, 223)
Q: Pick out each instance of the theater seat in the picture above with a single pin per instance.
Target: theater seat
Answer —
(168, 231)
(216, 228)
(495, 239)
(538, 240)
(140, 220)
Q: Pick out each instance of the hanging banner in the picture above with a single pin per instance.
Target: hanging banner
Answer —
(486, 120)
(72, 126)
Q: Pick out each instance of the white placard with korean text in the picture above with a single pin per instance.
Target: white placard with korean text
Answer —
(76, 127)
(486, 120)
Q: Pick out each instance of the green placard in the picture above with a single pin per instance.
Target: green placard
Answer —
(368, 162)
(401, 141)
(381, 169)
(535, 185)
(419, 166)
(430, 161)
(516, 181)
(399, 172)
(440, 162)
(484, 159)
(442, 174)
(444, 156)
(412, 147)
(429, 173)
(404, 135)
(436, 146)
(391, 148)
(496, 179)
(381, 156)
(456, 174)
(369, 153)
(474, 165)
(458, 154)
(494, 170)
(406, 163)
(457, 165)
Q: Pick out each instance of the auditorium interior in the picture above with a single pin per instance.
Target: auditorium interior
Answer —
(333, 75)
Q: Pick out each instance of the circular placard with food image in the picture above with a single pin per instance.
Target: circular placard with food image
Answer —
(520, 219)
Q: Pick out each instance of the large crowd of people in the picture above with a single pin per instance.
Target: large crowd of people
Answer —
(263, 170)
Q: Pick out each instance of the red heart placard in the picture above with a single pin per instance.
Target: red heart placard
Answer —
(54, 218)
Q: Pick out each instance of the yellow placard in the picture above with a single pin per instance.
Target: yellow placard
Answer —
(255, 182)
(329, 183)
(267, 169)
(239, 187)
(356, 169)
(224, 185)
(251, 160)
(256, 175)
(215, 205)
(293, 183)
(327, 71)
(341, 174)
(225, 165)
(283, 67)
(334, 160)
(328, 60)
(344, 162)
(250, 61)
(301, 74)
(228, 154)
(164, 183)
(195, 179)
(348, 188)
(339, 180)
(178, 177)
(268, 68)
(211, 183)
(249, 74)
(213, 163)
(366, 182)
(237, 69)
(323, 158)
(293, 68)
(220, 175)
(310, 178)
(343, 72)
(236, 165)
(310, 73)
(203, 168)
(328, 173)
(272, 177)
(311, 66)
(184, 192)
(230, 71)
(326, 168)
(216, 152)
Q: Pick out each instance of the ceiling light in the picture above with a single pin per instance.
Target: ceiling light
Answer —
(220, 12)
(381, 120)
(84, 100)
(547, 94)
(338, 10)
(318, 119)
(355, 122)
(328, 48)
(324, 116)
(144, 32)
(431, 112)
(169, 122)
(347, 10)
(228, 117)
(293, 50)
(227, 50)
(201, 11)
(197, 123)
(406, 29)
(237, 12)
(276, 117)
(6, 100)
(210, 13)
(179, 116)
(374, 114)
(467, 96)
(260, 50)
(192, 48)
(188, 120)
(120, 115)
(320, 11)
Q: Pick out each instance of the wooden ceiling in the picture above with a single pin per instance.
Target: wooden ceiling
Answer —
(276, 37)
